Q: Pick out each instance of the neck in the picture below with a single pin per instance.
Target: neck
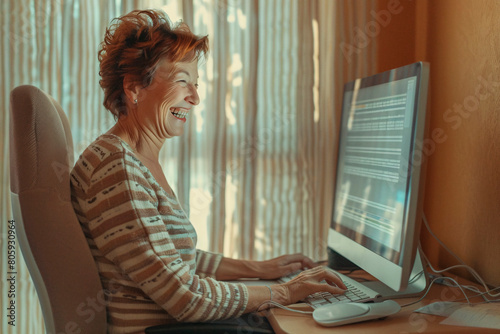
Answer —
(141, 140)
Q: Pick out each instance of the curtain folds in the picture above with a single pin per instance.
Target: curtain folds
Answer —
(255, 168)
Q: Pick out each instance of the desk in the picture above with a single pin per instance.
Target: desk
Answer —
(406, 321)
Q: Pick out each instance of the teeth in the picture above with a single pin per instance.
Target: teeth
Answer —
(179, 114)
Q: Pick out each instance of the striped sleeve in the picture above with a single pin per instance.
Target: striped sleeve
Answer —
(207, 263)
(145, 239)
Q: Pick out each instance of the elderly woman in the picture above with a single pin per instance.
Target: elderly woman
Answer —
(141, 239)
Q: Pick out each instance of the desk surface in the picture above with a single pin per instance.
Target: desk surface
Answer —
(406, 321)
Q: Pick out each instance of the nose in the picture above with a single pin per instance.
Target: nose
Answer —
(193, 98)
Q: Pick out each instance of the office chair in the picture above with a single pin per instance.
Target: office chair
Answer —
(51, 240)
(49, 235)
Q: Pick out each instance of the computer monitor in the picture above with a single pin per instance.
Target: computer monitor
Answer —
(377, 207)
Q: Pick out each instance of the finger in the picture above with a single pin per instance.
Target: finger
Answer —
(313, 273)
(297, 257)
(295, 262)
(324, 274)
(291, 268)
(333, 289)
(333, 278)
(308, 263)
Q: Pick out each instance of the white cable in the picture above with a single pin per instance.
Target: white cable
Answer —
(482, 294)
(461, 287)
(488, 291)
(429, 288)
(471, 270)
(283, 307)
(416, 276)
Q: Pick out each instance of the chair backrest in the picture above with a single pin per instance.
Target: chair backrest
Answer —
(51, 240)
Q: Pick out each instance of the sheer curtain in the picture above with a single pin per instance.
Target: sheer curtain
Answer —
(255, 167)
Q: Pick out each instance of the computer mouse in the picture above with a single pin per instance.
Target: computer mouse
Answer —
(348, 313)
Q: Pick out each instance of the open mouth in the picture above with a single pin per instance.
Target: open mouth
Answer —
(178, 113)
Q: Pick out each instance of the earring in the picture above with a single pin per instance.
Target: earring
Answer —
(135, 101)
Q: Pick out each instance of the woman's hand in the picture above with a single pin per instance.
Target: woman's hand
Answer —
(318, 279)
(230, 269)
(282, 266)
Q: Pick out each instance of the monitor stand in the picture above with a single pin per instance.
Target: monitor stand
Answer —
(416, 285)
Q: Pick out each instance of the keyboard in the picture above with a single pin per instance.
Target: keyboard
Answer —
(356, 292)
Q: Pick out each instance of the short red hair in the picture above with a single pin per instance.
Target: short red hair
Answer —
(134, 45)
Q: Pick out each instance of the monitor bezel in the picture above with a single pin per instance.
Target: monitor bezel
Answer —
(394, 275)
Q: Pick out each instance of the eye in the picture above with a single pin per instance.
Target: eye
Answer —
(196, 86)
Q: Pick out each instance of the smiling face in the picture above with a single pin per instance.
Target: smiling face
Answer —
(164, 105)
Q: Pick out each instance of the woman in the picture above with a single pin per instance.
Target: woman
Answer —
(143, 244)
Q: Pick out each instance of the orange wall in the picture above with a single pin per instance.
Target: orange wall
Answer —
(396, 41)
(461, 41)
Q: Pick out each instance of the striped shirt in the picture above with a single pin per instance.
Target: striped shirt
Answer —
(144, 245)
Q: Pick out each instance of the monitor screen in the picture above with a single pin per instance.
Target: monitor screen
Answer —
(378, 191)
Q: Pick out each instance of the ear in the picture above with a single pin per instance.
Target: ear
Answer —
(131, 88)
